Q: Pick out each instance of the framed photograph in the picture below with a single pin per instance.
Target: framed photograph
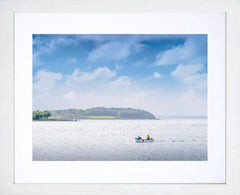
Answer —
(119, 98)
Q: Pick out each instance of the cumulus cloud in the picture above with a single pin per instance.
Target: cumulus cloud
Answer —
(45, 80)
(122, 92)
(155, 75)
(114, 51)
(101, 72)
(191, 75)
(122, 81)
(192, 51)
(186, 70)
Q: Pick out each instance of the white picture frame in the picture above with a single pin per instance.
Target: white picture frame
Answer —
(210, 171)
(7, 10)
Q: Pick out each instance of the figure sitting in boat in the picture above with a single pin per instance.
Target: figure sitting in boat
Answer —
(148, 137)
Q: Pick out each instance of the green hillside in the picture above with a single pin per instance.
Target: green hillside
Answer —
(101, 113)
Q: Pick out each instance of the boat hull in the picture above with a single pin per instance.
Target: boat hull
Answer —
(144, 140)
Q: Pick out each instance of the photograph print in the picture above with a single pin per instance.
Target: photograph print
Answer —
(119, 97)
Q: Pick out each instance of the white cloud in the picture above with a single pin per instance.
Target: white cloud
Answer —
(45, 80)
(114, 51)
(192, 51)
(46, 46)
(186, 70)
(101, 72)
(170, 56)
(122, 92)
(156, 75)
(122, 81)
(190, 75)
(76, 72)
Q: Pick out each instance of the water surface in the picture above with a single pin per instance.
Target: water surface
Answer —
(114, 140)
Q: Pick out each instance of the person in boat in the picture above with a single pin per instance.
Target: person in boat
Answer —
(139, 137)
(148, 137)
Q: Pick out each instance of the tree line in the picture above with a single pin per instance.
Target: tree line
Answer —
(118, 113)
(41, 115)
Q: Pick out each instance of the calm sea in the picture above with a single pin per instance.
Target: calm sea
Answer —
(114, 140)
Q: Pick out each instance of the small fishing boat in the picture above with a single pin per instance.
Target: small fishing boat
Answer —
(144, 140)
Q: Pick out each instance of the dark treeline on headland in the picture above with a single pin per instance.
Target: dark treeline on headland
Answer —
(40, 115)
(99, 113)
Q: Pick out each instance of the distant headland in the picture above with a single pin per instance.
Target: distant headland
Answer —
(92, 113)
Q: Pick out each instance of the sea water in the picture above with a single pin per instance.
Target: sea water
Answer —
(114, 140)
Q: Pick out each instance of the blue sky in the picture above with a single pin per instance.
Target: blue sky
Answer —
(163, 74)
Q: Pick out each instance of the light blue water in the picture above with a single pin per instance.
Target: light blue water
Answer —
(114, 140)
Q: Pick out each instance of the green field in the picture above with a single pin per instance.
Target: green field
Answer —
(102, 117)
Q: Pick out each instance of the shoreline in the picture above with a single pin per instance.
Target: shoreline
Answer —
(77, 120)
